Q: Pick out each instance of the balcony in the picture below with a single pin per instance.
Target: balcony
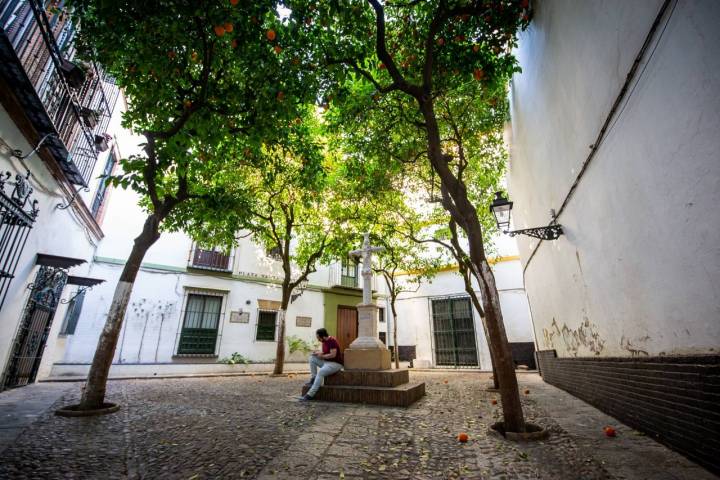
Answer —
(210, 260)
(69, 100)
(342, 275)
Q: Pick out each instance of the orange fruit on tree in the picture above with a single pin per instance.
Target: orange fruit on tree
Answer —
(277, 49)
(270, 34)
(234, 43)
(478, 74)
(382, 66)
(462, 437)
(228, 27)
(440, 41)
(219, 30)
(234, 2)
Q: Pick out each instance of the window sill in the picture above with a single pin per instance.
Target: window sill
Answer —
(195, 355)
(208, 268)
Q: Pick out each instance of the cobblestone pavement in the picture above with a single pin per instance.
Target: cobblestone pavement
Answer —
(252, 427)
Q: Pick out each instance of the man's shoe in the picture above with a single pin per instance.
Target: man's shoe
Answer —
(310, 383)
(305, 398)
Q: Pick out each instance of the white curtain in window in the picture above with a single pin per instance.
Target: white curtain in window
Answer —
(203, 311)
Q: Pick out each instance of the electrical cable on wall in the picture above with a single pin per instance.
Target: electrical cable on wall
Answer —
(616, 111)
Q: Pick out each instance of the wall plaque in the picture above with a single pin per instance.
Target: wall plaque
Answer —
(239, 317)
(303, 321)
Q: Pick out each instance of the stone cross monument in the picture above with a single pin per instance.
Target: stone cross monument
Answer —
(367, 352)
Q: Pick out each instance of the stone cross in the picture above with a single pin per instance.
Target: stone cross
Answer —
(366, 253)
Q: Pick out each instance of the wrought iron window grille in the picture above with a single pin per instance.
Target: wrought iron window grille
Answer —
(18, 212)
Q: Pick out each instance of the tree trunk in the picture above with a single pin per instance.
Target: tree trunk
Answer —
(395, 340)
(93, 396)
(476, 303)
(461, 209)
(280, 352)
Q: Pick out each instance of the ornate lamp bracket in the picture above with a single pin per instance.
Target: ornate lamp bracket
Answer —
(551, 232)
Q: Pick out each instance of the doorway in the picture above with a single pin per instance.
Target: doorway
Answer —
(347, 326)
(454, 333)
(35, 326)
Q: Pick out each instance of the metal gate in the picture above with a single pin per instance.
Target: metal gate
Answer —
(35, 326)
(454, 332)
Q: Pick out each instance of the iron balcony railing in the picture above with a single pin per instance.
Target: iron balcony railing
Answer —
(62, 96)
(210, 260)
(339, 278)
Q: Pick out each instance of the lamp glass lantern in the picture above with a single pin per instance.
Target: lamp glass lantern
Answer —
(501, 208)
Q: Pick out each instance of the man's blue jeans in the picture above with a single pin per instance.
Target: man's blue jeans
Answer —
(320, 369)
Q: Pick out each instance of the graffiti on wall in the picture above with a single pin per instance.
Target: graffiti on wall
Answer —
(573, 341)
(633, 346)
(143, 330)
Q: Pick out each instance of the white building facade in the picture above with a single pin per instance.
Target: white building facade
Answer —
(55, 141)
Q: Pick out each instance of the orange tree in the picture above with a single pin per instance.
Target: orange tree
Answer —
(390, 67)
(206, 82)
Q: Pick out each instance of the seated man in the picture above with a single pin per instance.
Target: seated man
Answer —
(329, 360)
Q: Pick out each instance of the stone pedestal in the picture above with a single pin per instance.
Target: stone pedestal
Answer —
(367, 352)
(375, 387)
(367, 377)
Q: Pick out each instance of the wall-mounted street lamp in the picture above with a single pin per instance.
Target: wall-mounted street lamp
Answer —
(501, 208)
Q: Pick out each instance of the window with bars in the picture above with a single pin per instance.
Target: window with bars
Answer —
(349, 273)
(72, 315)
(200, 324)
(102, 190)
(266, 326)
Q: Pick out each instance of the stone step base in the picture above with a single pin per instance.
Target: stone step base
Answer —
(369, 378)
(399, 396)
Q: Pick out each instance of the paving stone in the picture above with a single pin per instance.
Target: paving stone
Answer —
(235, 427)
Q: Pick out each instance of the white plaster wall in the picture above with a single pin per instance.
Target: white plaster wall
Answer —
(638, 269)
(56, 232)
(155, 314)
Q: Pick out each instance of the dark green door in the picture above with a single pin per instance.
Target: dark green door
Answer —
(454, 333)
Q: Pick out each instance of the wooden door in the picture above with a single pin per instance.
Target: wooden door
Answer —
(347, 326)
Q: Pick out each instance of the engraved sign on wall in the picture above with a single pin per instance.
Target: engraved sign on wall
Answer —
(239, 317)
(303, 321)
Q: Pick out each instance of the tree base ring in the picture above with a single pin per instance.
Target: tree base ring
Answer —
(532, 432)
(75, 411)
